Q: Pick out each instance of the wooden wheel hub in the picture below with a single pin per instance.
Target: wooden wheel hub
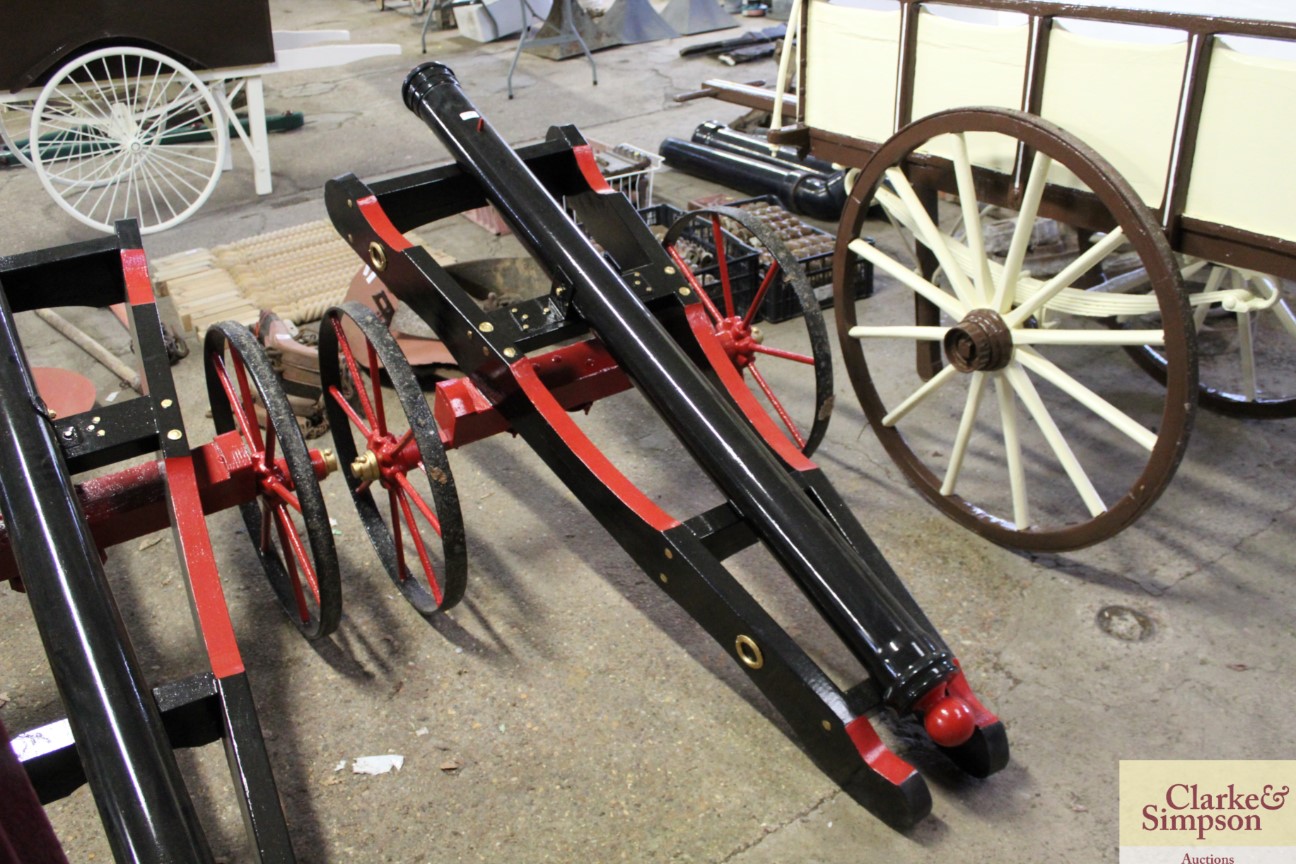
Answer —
(981, 342)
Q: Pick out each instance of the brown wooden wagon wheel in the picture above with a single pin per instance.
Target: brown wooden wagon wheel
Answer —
(944, 364)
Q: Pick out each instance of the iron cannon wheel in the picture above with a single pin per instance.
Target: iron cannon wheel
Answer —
(393, 446)
(771, 359)
(289, 507)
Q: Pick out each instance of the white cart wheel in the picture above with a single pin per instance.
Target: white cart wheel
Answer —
(15, 124)
(128, 133)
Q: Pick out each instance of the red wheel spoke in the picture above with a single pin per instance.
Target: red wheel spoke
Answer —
(770, 273)
(684, 268)
(251, 435)
(422, 505)
(376, 378)
(303, 611)
(275, 487)
(357, 380)
(293, 544)
(417, 537)
(249, 407)
(722, 264)
(396, 535)
(350, 412)
(777, 405)
(270, 437)
(784, 355)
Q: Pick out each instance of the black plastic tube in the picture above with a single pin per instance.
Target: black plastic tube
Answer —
(720, 137)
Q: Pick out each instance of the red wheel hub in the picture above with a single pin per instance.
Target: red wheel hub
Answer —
(739, 340)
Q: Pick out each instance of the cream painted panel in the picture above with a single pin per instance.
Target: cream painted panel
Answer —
(1241, 173)
(1120, 98)
(964, 64)
(851, 57)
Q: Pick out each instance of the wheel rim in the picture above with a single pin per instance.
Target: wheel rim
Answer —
(127, 133)
(1074, 467)
(412, 517)
(1246, 341)
(15, 127)
(772, 359)
(287, 522)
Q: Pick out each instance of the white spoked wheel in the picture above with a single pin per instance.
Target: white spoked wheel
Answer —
(15, 126)
(127, 133)
(1000, 387)
(1246, 340)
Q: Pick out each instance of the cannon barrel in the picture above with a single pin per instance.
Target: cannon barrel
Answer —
(905, 660)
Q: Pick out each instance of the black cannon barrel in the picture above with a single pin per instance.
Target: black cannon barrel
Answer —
(722, 137)
(904, 659)
(119, 735)
(809, 193)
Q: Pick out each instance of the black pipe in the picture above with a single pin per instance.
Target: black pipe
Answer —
(803, 192)
(137, 786)
(720, 137)
(904, 659)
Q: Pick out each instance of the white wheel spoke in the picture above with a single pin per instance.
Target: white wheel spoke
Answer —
(1031, 336)
(940, 379)
(882, 331)
(943, 300)
(1034, 194)
(1246, 351)
(932, 237)
(1285, 317)
(1059, 378)
(1012, 452)
(1026, 391)
(975, 389)
(1064, 279)
(972, 220)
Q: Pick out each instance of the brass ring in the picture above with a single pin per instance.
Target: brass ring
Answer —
(749, 652)
(378, 256)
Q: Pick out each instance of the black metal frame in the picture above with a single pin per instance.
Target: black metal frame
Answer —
(631, 298)
(122, 728)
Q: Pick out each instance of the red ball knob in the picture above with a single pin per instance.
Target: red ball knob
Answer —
(949, 721)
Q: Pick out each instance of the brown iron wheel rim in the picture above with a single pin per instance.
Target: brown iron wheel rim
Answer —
(1117, 205)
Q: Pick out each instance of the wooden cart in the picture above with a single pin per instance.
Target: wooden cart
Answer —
(1143, 150)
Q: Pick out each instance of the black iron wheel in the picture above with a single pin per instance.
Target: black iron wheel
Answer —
(772, 359)
(287, 522)
(415, 523)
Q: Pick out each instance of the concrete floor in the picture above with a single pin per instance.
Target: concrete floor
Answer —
(567, 710)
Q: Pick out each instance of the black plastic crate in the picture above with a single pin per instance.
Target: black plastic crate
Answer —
(781, 302)
(740, 258)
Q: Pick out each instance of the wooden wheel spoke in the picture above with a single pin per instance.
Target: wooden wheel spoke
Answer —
(970, 208)
(932, 237)
(914, 399)
(1053, 435)
(964, 434)
(1059, 378)
(943, 300)
(1067, 277)
(1012, 453)
(1005, 291)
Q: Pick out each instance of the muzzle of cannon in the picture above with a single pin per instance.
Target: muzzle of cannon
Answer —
(643, 312)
